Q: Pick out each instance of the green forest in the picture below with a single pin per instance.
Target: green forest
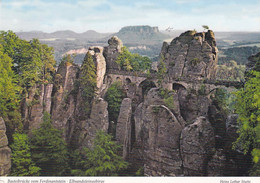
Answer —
(23, 65)
(44, 152)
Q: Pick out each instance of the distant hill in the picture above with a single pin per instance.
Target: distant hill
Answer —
(141, 35)
(145, 40)
(89, 35)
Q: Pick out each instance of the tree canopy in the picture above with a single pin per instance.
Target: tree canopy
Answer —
(248, 108)
(49, 149)
(23, 64)
(133, 62)
(102, 159)
(88, 81)
(22, 164)
(9, 95)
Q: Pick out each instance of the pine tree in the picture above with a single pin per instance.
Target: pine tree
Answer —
(49, 149)
(88, 81)
(102, 159)
(22, 164)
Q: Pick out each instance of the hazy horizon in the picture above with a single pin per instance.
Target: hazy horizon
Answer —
(110, 15)
(135, 25)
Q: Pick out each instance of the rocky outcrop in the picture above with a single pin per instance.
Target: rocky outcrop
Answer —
(64, 100)
(68, 109)
(111, 52)
(123, 127)
(167, 133)
(197, 146)
(158, 135)
(5, 151)
(98, 120)
(37, 101)
(217, 164)
(191, 104)
(191, 55)
(97, 54)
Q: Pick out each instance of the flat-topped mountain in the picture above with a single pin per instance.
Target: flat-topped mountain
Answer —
(144, 40)
(141, 34)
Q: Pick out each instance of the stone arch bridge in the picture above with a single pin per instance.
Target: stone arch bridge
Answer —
(137, 78)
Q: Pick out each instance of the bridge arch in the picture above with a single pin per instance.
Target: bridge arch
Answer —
(146, 85)
(177, 86)
(128, 80)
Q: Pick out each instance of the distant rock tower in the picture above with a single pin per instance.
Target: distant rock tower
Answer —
(191, 56)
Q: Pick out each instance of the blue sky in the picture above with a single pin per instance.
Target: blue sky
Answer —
(111, 15)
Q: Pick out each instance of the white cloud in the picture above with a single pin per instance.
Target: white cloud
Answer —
(88, 14)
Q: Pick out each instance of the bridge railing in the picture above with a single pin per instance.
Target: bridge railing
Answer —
(131, 73)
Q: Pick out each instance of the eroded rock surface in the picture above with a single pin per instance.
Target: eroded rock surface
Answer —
(37, 101)
(99, 59)
(123, 128)
(191, 55)
(98, 121)
(217, 164)
(111, 52)
(158, 134)
(197, 146)
(64, 99)
(5, 151)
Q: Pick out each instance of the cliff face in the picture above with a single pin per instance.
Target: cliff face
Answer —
(157, 137)
(68, 107)
(5, 151)
(64, 100)
(36, 102)
(191, 55)
(166, 145)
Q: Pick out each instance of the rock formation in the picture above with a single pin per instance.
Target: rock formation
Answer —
(111, 52)
(184, 137)
(191, 55)
(124, 125)
(37, 101)
(5, 151)
(158, 135)
(99, 59)
(197, 146)
(98, 120)
(64, 100)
